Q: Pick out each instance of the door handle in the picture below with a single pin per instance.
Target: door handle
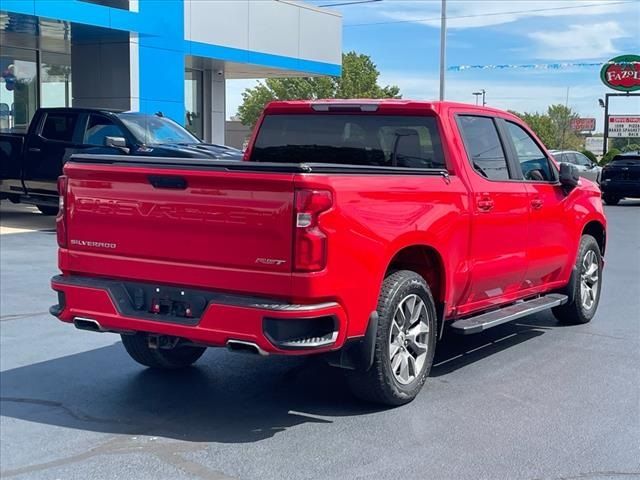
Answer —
(485, 204)
(34, 150)
(537, 203)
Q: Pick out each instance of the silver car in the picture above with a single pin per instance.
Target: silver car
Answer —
(586, 167)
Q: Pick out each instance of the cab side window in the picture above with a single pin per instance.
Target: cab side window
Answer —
(100, 127)
(59, 126)
(483, 146)
(533, 162)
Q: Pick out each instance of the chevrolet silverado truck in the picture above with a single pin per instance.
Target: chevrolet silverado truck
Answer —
(355, 230)
(31, 163)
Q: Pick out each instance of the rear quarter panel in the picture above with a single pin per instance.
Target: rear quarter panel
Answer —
(373, 218)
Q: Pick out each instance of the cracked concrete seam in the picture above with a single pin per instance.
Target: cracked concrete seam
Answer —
(168, 452)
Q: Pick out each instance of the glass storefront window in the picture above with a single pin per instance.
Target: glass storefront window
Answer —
(55, 80)
(18, 88)
(193, 102)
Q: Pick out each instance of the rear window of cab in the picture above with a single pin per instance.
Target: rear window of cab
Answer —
(350, 139)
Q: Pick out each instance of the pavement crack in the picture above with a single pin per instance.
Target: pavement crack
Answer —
(17, 316)
(82, 417)
(588, 475)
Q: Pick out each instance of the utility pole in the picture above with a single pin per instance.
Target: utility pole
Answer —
(443, 47)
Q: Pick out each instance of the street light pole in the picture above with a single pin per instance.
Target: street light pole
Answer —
(443, 47)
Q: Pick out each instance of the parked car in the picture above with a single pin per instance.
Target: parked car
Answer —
(355, 230)
(31, 163)
(586, 167)
(621, 178)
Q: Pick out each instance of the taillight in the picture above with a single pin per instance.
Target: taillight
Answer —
(310, 249)
(61, 219)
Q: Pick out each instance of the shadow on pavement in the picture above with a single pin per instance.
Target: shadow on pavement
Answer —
(25, 217)
(229, 398)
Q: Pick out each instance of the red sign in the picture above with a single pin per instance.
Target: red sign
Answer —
(622, 73)
(583, 124)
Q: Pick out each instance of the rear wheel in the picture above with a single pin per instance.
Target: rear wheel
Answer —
(585, 285)
(137, 347)
(405, 342)
(611, 200)
(47, 210)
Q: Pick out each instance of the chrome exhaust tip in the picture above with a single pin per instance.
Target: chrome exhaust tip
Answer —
(245, 347)
(87, 324)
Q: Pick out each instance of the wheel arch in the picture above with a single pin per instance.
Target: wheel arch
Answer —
(597, 230)
(424, 260)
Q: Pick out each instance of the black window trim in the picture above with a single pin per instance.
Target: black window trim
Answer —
(511, 152)
(74, 135)
(509, 161)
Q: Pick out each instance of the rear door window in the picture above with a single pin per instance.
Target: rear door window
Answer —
(355, 139)
(484, 149)
(59, 126)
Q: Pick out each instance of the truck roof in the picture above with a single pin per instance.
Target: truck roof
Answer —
(389, 105)
(80, 110)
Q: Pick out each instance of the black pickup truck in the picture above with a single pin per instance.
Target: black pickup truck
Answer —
(31, 163)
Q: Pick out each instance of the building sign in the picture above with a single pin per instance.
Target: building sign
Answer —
(622, 73)
(623, 126)
(583, 124)
(594, 145)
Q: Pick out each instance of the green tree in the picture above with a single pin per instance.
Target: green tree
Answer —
(553, 128)
(563, 136)
(624, 144)
(540, 124)
(359, 80)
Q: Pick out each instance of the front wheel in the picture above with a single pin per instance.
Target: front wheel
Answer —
(405, 342)
(585, 285)
(137, 347)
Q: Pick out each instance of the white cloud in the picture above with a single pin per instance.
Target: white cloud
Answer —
(578, 41)
(474, 14)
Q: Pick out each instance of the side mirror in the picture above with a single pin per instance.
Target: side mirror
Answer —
(116, 142)
(569, 175)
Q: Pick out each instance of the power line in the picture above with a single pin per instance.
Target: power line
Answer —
(342, 4)
(495, 14)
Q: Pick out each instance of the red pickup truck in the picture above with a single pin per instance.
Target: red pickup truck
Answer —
(358, 230)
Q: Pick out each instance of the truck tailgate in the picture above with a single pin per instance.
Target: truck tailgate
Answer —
(173, 224)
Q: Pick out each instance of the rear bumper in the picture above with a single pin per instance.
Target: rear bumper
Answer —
(274, 326)
(620, 188)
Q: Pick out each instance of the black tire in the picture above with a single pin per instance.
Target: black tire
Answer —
(379, 383)
(575, 312)
(137, 347)
(610, 200)
(47, 210)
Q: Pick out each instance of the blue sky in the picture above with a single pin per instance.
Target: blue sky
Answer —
(402, 37)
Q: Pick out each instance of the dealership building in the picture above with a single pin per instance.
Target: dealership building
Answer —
(169, 56)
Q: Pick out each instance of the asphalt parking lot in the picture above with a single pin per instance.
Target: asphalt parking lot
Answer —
(529, 400)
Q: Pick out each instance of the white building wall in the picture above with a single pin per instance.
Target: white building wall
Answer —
(277, 27)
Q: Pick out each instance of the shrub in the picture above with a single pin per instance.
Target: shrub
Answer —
(590, 155)
(609, 156)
